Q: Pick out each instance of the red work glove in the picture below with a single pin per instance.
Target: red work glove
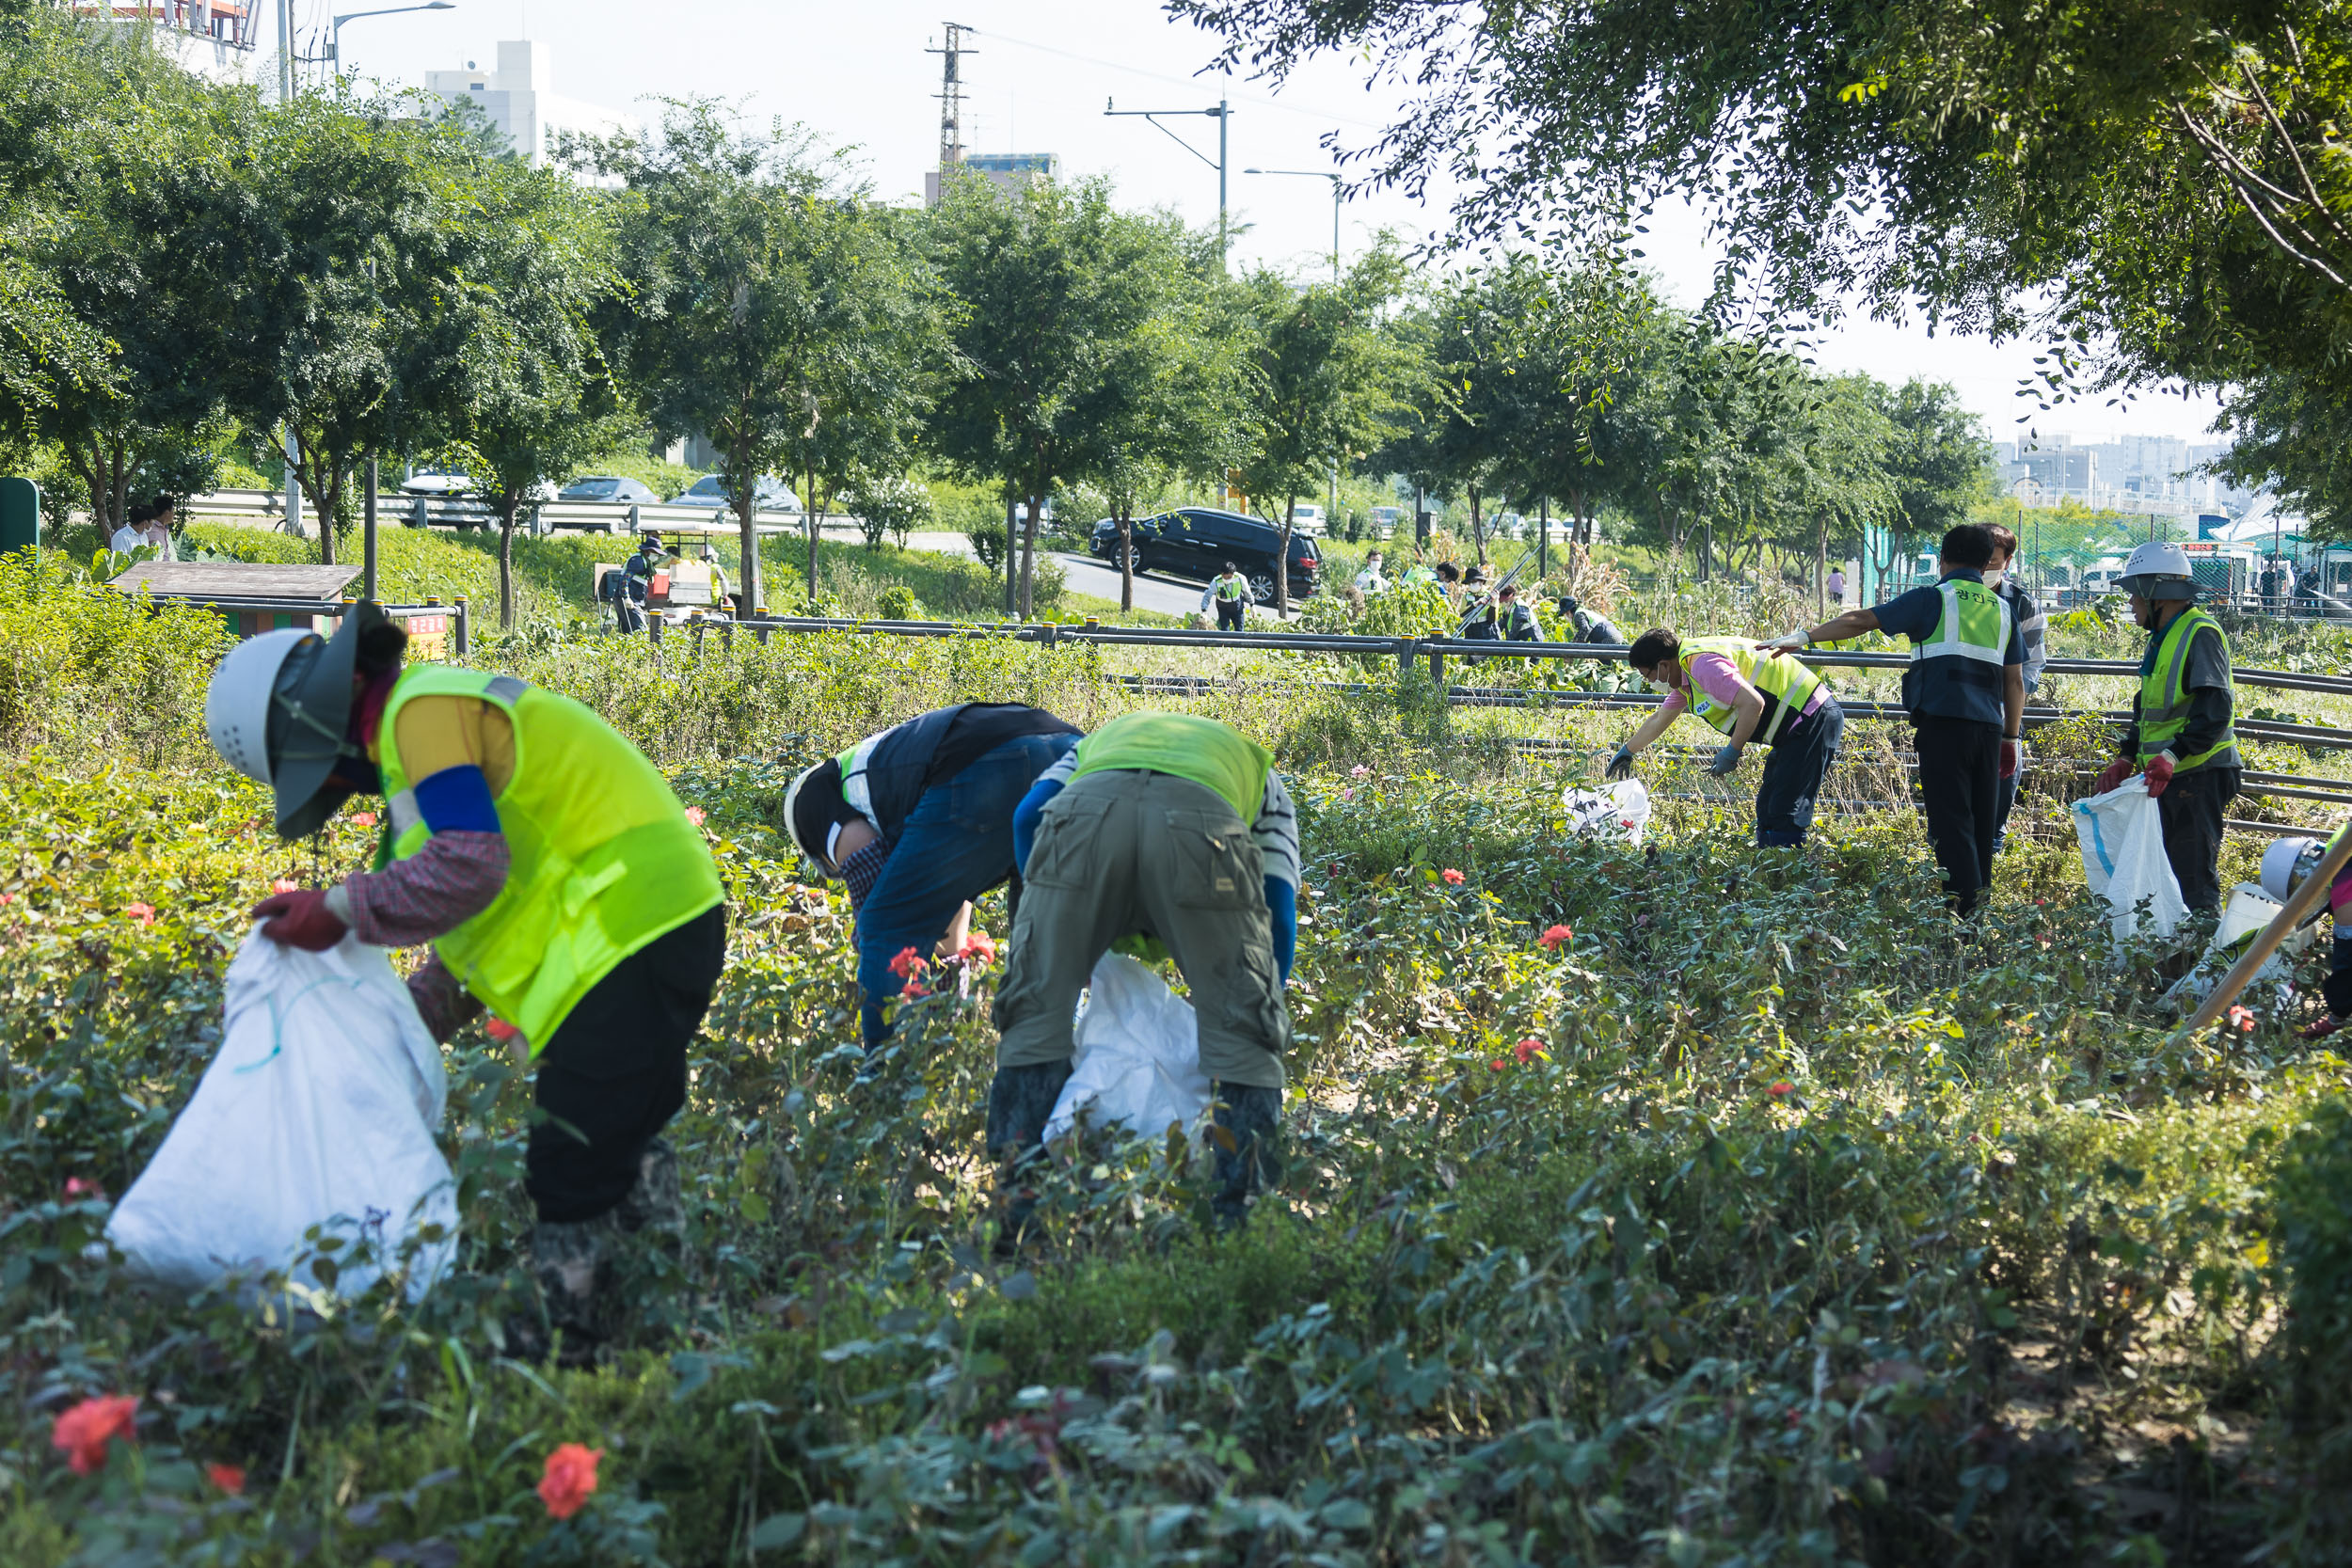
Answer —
(2159, 773)
(2118, 771)
(300, 919)
(2008, 758)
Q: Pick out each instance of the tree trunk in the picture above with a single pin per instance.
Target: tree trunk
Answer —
(506, 562)
(1543, 538)
(1126, 557)
(1820, 572)
(1012, 555)
(1283, 558)
(1028, 558)
(747, 578)
(1478, 527)
(813, 519)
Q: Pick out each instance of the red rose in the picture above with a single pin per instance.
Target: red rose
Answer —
(571, 1476)
(1453, 878)
(1555, 937)
(83, 1433)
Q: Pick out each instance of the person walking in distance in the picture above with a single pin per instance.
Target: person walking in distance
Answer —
(1965, 692)
(2181, 738)
(1837, 586)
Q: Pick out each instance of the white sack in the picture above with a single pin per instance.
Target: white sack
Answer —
(1617, 811)
(318, 1110)
(1138, 1057)
(2122, 842)
(2247, 910)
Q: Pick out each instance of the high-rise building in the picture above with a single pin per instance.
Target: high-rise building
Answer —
(520, 99)
(1007, 172)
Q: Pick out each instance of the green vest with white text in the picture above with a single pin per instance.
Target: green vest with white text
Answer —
(601, 859)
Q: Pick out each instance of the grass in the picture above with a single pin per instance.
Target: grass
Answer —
(1806, 1231)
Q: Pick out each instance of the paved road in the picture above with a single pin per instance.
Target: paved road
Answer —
(1166, 594)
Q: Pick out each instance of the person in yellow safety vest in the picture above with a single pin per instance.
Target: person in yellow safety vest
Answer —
(1744, 697)
(2180, 738)
(1966, 692)
(555, 876)
(1230, 590)
(1177, 827)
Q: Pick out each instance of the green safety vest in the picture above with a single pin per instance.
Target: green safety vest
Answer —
(602, 859)
(1788, 681)
(2162, 702)
(1211, 755)
(1975, 625)
(1232, 588)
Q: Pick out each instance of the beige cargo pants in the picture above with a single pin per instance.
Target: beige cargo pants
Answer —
(1124, 852)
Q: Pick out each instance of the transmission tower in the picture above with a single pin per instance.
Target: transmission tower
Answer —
(950, 94)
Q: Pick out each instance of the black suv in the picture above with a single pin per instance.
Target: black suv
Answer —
(1195, 542)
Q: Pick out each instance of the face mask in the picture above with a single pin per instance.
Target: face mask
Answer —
(1993, 576)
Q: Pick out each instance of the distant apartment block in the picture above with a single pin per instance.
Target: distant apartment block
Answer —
(1007, 171)
(519, 98)
(212, 39)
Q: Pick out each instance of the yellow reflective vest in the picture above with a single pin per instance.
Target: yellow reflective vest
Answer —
(2164, 703)
(1789, 682)
(601, 858)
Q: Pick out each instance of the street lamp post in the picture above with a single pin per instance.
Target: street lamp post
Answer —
(1317, 174)
(1223, 115)
(335, 37)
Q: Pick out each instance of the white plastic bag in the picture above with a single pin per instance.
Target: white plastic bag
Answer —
(319, 1109)
(1620, 810)
(2247, 910)
(2122, 842)
(1138, 1058)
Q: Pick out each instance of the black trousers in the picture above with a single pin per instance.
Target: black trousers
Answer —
(615, 1071)
(2191, 808)
(1229, 614)
(1960, 773)
(1792, 775)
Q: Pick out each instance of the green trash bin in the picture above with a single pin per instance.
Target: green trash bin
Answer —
(20, 515)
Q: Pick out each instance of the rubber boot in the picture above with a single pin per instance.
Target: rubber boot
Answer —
(657, 1202)
(1020, 1101)
(1254, 1116)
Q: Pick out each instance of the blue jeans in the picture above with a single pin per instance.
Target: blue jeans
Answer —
(1792, 775)
(956, 844)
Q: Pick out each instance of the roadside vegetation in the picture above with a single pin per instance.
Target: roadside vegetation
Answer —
(1684, 1204)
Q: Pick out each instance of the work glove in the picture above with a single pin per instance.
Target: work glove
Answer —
(2159, 772)
(2117, 771)
(300, 919)
(1725, 760)
(2008, 758)
(1788, 642)
(1621, 765)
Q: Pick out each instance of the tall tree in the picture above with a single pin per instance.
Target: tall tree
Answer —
(536, 398)
(1055, 285)
(1934, 456)
(770, 304)
(1327, 383)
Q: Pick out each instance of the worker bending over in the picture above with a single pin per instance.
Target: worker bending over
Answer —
(552, 870)
(1966, 693)
(1744, 696)
(1177, 827)
(917, 821)
(2180, 736)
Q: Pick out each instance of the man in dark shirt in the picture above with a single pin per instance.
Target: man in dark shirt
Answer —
(1590, 625)
(2180, 736)
(1966, 692)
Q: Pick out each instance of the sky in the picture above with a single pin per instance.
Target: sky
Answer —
(855, 71)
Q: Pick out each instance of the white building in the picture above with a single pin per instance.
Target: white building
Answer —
(520, 99)
(1009, 172)
(220, 42)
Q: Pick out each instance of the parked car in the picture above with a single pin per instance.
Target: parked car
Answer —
(773, 495)
(604, 487)
(435, 481)
(1305, 518)
(1384, 520)
(1195, 542)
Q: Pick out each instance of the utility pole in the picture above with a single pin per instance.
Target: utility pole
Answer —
(285, 51)
(950, 95)
(1223, 115)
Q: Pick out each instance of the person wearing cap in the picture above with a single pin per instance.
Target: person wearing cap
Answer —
(1177, 827)
(2032, 631)
(1745, 697)
(917, 822)
(553, 873)
(1230, 592)
(1965, 692)
(2181, 739)
(636, 581)
(1516, 618)
(1590, 625)
(1372, 579)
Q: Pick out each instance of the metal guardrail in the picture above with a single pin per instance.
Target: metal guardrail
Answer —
(394, 509)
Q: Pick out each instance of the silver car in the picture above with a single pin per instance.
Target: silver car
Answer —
(773, 495)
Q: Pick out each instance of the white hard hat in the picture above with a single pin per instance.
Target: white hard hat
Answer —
(276, 711)
(2157, 570)
(2287, 862)
(792, 824)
